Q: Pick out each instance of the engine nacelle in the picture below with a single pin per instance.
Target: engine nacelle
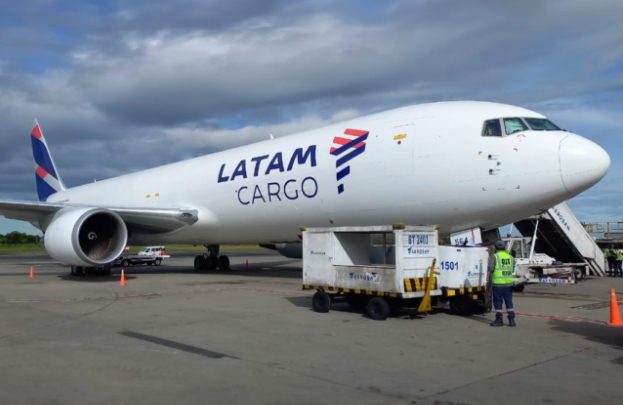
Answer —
(85, 236)
(290, 250)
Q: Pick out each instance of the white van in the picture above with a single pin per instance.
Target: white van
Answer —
(153, 251)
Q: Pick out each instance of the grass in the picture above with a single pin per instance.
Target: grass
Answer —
(171, 249)
(26, 248)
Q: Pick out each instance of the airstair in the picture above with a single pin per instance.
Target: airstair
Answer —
(562, 236)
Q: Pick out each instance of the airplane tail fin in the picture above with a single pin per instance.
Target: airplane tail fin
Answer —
(48, 180)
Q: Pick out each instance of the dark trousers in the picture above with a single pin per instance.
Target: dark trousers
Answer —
(618, 268)
(612, 266)
(503, 295)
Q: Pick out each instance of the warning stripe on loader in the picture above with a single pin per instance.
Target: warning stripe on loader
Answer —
(418, 284)
(462, 291)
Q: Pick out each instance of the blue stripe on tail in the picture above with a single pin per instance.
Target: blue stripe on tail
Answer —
(44, 190)
(42, 156)
(47, 178)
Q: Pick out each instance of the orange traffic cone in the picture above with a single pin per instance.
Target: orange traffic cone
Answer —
(32, 271)
(122, 283)
(615, 315)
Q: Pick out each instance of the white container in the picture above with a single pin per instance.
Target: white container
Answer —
(343, 258)
(462, 267)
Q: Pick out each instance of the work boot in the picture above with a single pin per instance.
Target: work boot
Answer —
(511, 321)
(498, 321)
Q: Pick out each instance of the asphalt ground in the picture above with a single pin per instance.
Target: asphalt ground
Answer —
(249, 336)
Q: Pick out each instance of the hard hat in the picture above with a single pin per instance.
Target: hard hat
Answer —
(500, 244)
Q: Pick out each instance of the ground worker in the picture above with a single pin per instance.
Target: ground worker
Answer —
(609, 255)
(501, 267)
(619, 263)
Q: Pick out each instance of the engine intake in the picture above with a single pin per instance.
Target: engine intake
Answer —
(85, 236)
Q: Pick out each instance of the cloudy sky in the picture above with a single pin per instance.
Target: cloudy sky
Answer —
(122, 86)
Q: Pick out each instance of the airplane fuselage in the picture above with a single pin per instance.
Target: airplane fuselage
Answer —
(426, 164)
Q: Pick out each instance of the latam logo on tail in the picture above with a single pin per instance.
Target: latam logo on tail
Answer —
(345, 148)
(48, 181)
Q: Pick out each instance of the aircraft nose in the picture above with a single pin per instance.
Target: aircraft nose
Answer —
(582, 163)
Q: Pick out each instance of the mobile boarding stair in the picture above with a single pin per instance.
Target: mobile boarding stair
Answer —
(414, 272)
(562, 236)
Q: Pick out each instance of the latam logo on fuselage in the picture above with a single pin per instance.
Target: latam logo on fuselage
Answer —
(353, 143)
(293, 188)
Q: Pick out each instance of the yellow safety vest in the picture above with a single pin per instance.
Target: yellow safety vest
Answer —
(504, 269)
(619, 254)
(607, 253)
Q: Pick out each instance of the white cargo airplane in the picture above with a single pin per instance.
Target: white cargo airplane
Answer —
(458, 165)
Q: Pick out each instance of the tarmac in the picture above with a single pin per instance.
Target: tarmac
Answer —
(249, 336)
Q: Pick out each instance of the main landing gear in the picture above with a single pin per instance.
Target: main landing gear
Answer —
(212, 260)
(104, 270)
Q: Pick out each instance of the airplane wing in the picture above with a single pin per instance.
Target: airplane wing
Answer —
(139, 220)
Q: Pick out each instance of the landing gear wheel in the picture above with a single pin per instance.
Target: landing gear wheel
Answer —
(519, 288)
(462, 305)
(357, 302)
(200, 263)
(158, 262)
(378, 309)
(321, 301)
(80, 271)
(211, 263)
(73, 270)
(223, 262)
(106, 270)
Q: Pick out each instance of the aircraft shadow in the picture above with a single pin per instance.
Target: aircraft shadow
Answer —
(403, 313)
(94, 278)
(604, 334)
(279, 269)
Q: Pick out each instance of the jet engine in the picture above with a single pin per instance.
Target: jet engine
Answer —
(85, 236)
(289, 250)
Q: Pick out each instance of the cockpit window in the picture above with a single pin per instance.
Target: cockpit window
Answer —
(542, 124)
(492, 128)
(512, 125)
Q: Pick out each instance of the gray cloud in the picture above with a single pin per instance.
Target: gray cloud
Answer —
(116, 82)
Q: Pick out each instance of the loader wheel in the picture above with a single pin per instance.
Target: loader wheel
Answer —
(126, 263)
(519, 288)
(462, 305)
(357, 302)
(321, 301)
(378, 309)
(480, 308)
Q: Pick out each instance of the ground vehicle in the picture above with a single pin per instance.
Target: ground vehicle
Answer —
(539, 268)
(337, 262)
(134, 260)
(150, 255)
(153, 251)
